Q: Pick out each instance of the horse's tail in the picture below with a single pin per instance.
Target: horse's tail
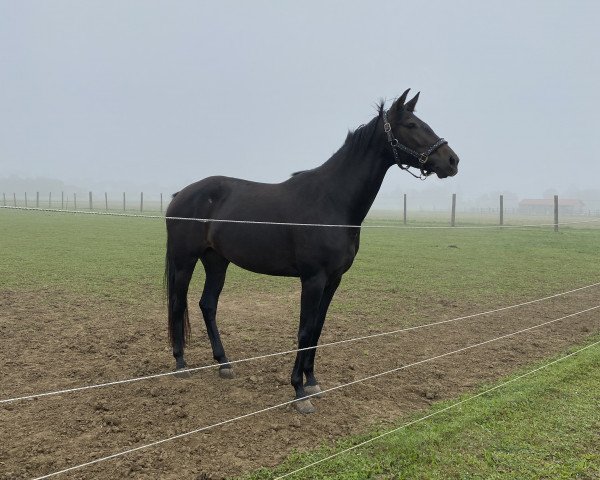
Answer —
(175, 300)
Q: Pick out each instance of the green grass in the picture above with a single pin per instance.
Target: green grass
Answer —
(545, 425)
(124, 257)
(396, 270)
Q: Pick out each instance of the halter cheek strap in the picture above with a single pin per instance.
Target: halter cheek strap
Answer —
(421, 157)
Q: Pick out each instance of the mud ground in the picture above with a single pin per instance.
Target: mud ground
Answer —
(53, 339)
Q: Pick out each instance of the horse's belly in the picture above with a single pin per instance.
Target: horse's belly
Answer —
(258, 248)
(266, 269)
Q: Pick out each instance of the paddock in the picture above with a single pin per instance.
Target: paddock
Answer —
(82, 303)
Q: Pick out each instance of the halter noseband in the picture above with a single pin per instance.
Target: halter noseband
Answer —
(422, 157)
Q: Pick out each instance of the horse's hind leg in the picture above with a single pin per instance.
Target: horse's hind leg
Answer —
(215, 267)
(179, 276)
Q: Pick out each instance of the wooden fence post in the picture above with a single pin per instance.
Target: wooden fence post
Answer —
(501, 209)
(15, 198)
(62, 200)
(106, 201)
(141, 202)
(4, 199)
(404, 216)
(556, 213)
(123, 201)
(91, 201)
(75, 201)
(50, 200)
(453, 217)
(25, 199)
(37, 199)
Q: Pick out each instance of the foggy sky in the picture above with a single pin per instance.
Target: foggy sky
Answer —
(165, 93)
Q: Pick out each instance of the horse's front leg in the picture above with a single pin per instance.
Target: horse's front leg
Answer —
(312, 385)
(312, 292)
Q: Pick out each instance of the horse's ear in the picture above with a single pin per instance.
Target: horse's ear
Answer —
(399, 104)
(410, 106)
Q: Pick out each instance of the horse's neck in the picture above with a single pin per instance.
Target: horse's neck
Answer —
(355, 179)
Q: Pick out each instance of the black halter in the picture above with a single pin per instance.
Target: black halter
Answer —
(422, 157)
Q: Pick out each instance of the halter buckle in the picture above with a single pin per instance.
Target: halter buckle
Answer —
(423, 158)
(387, 127)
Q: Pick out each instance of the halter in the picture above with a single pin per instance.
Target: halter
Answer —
(422, 157)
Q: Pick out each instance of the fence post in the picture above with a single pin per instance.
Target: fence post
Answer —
(453, 217)
(123, 201)
(161, 206)
(106, 201)
(75, 201)
(142, 202)
(25, 199)
(90, 200)
(62, 200)
(501, 209)
(4, 199)
(404, 216)
(50, 200)
(15, 198)
(37, 199)
(556, 213)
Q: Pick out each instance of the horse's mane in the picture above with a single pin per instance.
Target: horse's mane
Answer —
(360, 139)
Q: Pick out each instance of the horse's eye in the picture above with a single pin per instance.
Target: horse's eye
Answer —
(411, 125)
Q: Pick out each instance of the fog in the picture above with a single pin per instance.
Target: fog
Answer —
(153, 95)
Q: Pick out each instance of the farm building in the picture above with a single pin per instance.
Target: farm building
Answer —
(545, 206)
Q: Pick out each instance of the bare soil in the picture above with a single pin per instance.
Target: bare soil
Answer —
(53, 339)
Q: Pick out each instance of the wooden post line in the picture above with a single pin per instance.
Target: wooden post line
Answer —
(142, 202)
(556, 213)
(106, 201)
(501, 209)
(453, 217)
(123, 201)
(91, 207)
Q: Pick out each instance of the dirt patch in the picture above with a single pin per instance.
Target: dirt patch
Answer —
(52, 340)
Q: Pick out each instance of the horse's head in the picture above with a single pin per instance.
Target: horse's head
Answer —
(414, 143)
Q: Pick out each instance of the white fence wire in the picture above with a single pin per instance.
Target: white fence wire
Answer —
(294, 224)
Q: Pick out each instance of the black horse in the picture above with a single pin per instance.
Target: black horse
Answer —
(340, 192)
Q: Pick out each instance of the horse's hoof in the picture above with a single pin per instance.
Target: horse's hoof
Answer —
(313, 390)
(226, 372)
(304, 406)
(182, 373)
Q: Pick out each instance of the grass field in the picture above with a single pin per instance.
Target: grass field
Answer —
(400, 277)
(124, 257)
